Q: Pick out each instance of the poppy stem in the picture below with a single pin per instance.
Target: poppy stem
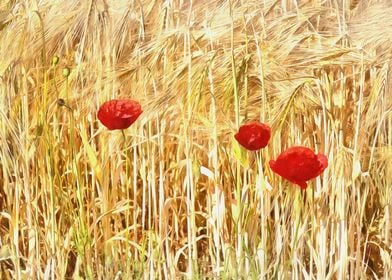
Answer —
(126, 191)
(262, 204)
(299, 200)
(124, 137)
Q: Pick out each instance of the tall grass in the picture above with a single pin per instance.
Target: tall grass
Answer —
(176, 196)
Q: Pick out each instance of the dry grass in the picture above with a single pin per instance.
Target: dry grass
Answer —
(179, 198)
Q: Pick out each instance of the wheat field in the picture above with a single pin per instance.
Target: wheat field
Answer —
(175, 196)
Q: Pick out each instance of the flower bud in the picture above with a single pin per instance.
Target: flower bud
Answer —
(55, 60)
(66, 72)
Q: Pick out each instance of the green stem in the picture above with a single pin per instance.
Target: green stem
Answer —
(127, 214)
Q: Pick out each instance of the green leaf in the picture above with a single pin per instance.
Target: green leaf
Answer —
(235, 212)
(240, 154)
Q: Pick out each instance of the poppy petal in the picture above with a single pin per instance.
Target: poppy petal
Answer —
(253, 136)
(119, 113)
(302, 184)
(323, 161)
(299, 164)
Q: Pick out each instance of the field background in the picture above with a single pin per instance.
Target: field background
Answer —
(177, 197)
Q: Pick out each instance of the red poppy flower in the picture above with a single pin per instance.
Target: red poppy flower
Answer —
(119, 113)
(299, 164)
(253, 136)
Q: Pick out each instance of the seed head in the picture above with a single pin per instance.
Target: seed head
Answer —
(60, 102)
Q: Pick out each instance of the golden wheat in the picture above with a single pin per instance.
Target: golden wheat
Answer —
(179, 198)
